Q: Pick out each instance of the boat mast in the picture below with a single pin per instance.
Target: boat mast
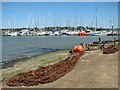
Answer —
(55, 22)
(33, 22)
(13, 27)
(96, 20)
(49, 18)
(75, 21)
(43, 23)
(39, 21)
(68, 22)
(28, 22)
(8, 25)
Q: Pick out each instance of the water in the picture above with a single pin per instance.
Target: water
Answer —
(15, 47)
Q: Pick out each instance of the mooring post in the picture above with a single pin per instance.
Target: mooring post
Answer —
(82, 45)
(87, 46)
(99, 39)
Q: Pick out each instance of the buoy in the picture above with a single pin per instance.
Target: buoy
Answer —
(78, 49)
(75, 48)
(85, 34)
(82, 34)
(79, 34)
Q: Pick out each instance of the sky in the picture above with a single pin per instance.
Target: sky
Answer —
(40, 14)
(60, 0)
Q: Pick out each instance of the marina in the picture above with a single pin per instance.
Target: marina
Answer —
(60, 45)
(27, 32)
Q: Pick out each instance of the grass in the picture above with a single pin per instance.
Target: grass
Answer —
(33, 63)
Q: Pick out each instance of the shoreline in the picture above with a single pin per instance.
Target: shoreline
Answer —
(11, 63)
(33, 63)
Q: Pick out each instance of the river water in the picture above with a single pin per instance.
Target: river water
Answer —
(15, 47)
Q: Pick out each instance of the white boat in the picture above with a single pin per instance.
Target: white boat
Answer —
(13, 34)
(51, 33)
(42, 33)
(97, 33)
(89, 32)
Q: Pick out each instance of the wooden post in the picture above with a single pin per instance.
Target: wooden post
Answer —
(82, 45)
(114, 43)
(99, 39)
(87, 46)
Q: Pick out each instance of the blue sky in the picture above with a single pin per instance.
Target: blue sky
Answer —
(23, 14)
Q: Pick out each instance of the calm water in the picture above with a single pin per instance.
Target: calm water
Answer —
(15, 47)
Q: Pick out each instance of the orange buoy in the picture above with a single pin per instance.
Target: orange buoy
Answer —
(79, 34)
(75, 48)
(82, 34)
(78, 49)
(85, 33)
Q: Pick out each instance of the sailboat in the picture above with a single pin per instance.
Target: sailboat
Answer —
(95, 32)
(13, 33)
(27, 31)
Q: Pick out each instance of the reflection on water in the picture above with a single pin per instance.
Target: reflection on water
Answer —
(23, 46)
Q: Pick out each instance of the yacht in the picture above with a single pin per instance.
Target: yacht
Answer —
(13, 34)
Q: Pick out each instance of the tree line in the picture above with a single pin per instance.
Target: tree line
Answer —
(57, 28)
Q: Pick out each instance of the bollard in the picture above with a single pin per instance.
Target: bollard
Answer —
(99, 39)
(82, 45)
(87, 46)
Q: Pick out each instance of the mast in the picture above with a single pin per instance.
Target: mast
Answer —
(75, 21)
(28, 21)
(55, 22)
(39, 21)
(96, 21)
(68, 22)
(49, 18)
(112, 30)
(13, 24)
(43, 23)
(8, 25)
(33, 22)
